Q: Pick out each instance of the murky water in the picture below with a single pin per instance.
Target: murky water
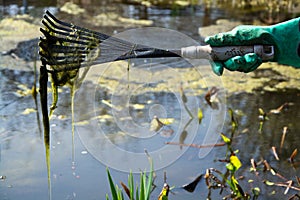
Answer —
(23, 158)
(113, 113)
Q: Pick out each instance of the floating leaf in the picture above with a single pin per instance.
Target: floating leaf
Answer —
(256, 191)
(156, 124)
(138, 106)
(23, 91)
(109, 104)
(273, 192)
(82, 123)
(167, 121)
(269, 183)
(28, 111)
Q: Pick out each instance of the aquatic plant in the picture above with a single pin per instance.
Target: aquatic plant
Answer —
(141, 192)
(215, 179)
(265, 173)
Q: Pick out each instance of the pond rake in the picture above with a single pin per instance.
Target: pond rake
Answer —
(66, 47)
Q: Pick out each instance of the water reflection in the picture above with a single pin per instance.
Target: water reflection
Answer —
(22, 150)
(116, 123)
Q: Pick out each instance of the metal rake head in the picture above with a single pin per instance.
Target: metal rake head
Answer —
(66, 46)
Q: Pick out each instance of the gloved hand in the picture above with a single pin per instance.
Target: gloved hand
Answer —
(284, 36)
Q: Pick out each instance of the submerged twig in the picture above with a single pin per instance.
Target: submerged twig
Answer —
(267, 167)
(283, 136)
(280, 108)
(290, 182)
(197, 145)
(295, 196)
(287, 184)
(275, 153)
(298, 180)
(254, 165)
(293, 155)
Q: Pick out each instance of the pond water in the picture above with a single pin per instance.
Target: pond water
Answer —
(113, 110)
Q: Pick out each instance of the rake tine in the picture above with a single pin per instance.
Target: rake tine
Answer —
(70, 58)
(89, 33)
(66, 46)
(57, 63)
(84, 34)
(50, 39)
(60, 66)
(51, 27)
(64, 49)
(54, 25)
(67, 33)
(50, 46)
(101, 36)
(56, 49)
(67, 58)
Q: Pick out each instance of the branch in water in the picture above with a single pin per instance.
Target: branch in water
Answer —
(197, 145)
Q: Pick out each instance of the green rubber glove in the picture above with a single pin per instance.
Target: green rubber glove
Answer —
(284, 36)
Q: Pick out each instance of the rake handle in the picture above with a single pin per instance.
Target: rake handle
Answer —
(266, 52)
